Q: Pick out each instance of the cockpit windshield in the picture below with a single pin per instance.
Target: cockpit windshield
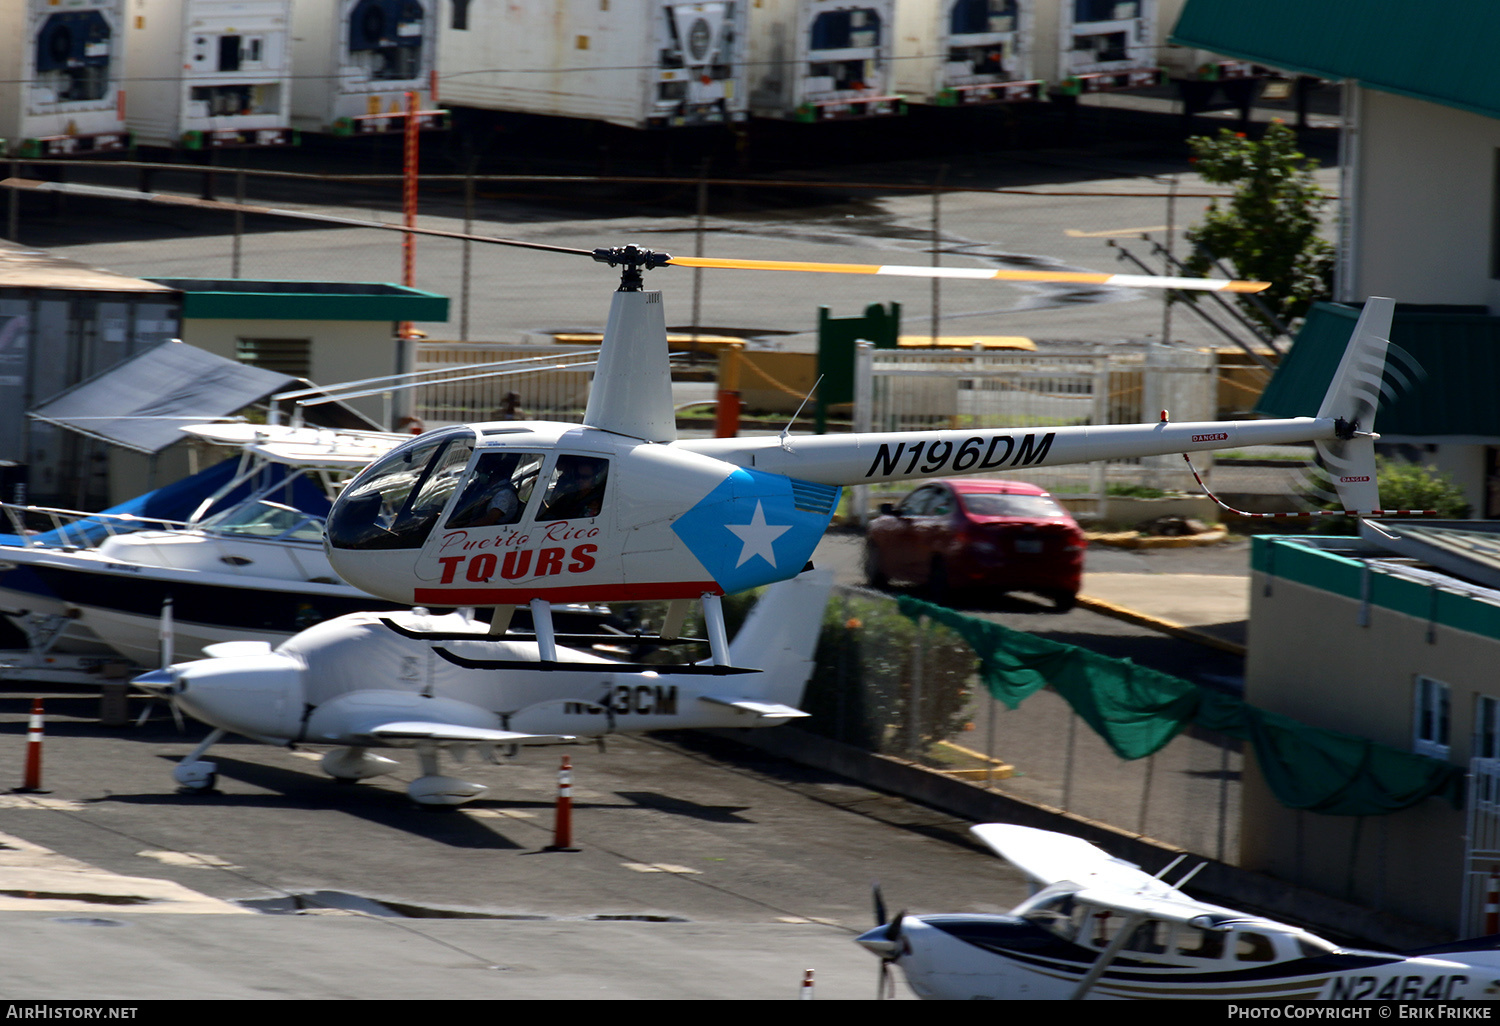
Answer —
(394, 504)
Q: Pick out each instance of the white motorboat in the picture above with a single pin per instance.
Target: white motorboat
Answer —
(246, 564)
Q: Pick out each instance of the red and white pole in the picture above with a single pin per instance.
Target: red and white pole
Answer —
(806, 991)
(33, 776)
(562, 823)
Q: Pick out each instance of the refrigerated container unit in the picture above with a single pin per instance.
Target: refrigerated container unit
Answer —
(210, 74)
(62, 78)
(1104, 45)
(958, 53)
(356, 61)
(823, 60)
(658, 64)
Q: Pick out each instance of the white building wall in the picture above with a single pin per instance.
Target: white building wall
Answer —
(1423, 196)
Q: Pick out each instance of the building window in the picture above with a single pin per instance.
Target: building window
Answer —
(1486, 728)
(1430, 733)
(1495, 220)
(460, 20)
(284, 355)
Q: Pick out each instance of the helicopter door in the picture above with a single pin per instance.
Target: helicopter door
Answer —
(518, 522)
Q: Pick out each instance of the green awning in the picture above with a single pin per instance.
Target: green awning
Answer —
(248, 299)
(1442, 52)
(1137, 711)
(1447, 387)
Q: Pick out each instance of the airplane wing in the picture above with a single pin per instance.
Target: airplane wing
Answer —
(1062, 862)
(764, 710)
(451, 733)
(1048, 857)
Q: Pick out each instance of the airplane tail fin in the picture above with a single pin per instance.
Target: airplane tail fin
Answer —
(1353, 397)
(780, 636)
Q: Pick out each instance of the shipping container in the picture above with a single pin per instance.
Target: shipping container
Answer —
(207, 74)
(955, 53)
(822, 60)
(637, 63)
(1098, 45)
(61, 75)
(356, 61)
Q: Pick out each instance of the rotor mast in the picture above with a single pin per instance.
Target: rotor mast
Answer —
(632, 389)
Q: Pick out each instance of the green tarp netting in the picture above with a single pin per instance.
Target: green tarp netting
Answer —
(1137, 710)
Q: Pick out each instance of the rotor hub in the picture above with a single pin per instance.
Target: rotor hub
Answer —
(634, 260)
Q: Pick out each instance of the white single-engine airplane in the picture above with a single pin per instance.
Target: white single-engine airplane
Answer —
(1100, 927)
(619, 509)
(413, 680)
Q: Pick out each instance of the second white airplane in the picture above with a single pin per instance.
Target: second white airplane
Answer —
(414, 680)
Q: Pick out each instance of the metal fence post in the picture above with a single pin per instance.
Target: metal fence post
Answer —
(914, 695)
(864, 413)
(1067, 795)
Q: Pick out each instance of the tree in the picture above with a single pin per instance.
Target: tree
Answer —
(1268, 230)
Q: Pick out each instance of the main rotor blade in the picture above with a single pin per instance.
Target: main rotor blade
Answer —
(168, 199)
(1140, 281)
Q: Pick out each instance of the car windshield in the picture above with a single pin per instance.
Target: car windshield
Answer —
(1001, 504)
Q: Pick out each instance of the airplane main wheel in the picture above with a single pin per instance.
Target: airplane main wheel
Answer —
(203, 785)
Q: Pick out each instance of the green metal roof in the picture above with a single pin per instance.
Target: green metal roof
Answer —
(1441, 51)
(241, 299)
(1456, 348)
(1311, 561)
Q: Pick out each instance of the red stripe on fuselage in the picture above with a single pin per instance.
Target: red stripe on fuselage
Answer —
(578, 593)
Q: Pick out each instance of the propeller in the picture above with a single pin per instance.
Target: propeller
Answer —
(636, 260)
(162, 683)
(885, 943)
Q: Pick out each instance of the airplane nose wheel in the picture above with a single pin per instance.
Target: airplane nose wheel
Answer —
(194, 774)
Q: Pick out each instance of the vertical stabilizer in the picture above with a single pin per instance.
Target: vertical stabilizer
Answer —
(632, 391)
(780, 637)
(1352, 399)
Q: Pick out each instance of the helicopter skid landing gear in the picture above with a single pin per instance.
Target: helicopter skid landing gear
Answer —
(434, 790)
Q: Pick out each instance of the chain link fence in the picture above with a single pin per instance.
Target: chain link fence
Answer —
(908, 688)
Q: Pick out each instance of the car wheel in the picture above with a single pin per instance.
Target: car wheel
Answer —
(1062, 601)
(873, 573)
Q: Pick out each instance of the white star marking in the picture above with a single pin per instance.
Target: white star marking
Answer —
(758, 537)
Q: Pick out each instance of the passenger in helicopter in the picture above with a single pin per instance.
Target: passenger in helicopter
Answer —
(577, 489)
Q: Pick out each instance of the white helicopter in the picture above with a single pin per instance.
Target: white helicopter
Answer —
(619, 509)
(414, 680)
(1100, 927)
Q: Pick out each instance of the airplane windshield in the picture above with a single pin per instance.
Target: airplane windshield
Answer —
(394, 504)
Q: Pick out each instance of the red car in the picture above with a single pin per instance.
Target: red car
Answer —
(981, 536)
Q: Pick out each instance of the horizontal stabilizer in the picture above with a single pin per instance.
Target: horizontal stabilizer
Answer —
(444, 733)
(765, 710)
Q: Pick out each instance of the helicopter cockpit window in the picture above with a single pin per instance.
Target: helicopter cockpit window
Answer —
(576, 491)
(498, 490)
(394, 504)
